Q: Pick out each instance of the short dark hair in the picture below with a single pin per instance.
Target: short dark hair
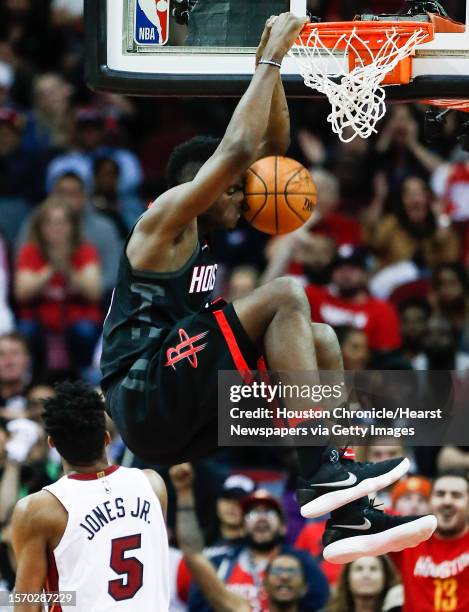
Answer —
(15, 336)
(455, 472)
(198, 149)
(75, 420)
(70, 175)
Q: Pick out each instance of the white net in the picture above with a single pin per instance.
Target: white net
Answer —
(357, 97)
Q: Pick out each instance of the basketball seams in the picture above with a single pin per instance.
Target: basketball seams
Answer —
(265, 194)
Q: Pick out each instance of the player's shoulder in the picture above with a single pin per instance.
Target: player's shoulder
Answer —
(37, 511)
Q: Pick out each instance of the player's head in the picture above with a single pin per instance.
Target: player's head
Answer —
(284, 580)
(74, 419)
(449, 502)
(367, 577)
(263, 521)
(185, 162)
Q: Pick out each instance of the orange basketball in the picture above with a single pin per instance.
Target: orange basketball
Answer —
(280, 195)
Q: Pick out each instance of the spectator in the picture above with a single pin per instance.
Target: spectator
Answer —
(451, 183)
(284, 584)
(450, 285)
(347, 302)
(20, 174)
(305, 255)
(15, 374)
(242, 280)
(122, 210)
(36, 396)
(412, 230)
(89, 143)
(354, 347)
(440, 348)
(364, 585)
(48, 124)
(58, 284)
(414, 315)
(435, 573)
(243, 569)
(7, 78)
(411, 496)
(97, 230)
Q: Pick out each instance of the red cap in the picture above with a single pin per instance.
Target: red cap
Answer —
(261, 497)
(413, 484)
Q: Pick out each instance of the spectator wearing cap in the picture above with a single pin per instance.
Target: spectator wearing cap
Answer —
(230, 530)
(97, 230)
(243, 569)
(346, 301)
(411, 496)
(89, 134)
(20, 174)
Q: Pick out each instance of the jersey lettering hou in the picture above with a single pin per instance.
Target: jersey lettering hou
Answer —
(147, 305)
(114, 550)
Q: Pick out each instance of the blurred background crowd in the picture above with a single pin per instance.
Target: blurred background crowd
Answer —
(384, 260)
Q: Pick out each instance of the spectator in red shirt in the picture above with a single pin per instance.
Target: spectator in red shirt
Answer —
(436, 573)
(347, 302)
(58, 283)
(364, 585)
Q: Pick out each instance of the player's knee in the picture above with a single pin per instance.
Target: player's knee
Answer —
(324, 335)
(287, 292)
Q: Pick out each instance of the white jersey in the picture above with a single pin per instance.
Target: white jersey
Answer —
(114, 550)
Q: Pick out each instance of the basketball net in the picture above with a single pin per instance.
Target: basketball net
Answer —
(356, 96)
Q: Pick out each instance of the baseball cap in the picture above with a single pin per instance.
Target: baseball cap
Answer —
(261, 497)
(413, 484)
(348, 254)
(237, 486)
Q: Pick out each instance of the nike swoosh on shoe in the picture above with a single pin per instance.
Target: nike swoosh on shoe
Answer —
(351, 480)
(363, 527)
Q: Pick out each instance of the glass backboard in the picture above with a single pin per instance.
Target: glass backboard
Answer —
(206, 47)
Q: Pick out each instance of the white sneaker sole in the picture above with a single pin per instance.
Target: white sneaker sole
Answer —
(335, 499)
(376, 544)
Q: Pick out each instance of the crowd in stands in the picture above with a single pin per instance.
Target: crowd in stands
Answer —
(384, 259)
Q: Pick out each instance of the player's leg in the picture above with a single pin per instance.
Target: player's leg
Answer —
(278, 314)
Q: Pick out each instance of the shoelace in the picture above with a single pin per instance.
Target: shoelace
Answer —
(372, 505)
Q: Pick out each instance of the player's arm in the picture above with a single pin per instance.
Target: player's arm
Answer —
(30, 526)
(218, 596)
(176, 208)
(159, 488)
(277, 137)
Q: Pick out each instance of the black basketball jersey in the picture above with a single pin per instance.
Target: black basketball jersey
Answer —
(146, 305)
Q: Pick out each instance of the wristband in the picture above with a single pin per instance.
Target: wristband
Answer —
(271, 63)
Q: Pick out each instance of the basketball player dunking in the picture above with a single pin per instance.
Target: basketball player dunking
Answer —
(99, 530)
(165, 341)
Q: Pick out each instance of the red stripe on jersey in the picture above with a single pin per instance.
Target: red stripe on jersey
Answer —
(94, 475)
(52, 581)
(235, 351)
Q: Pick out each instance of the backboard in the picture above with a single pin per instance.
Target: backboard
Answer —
(206, 47)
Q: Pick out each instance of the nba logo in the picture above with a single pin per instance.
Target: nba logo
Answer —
(151, 22)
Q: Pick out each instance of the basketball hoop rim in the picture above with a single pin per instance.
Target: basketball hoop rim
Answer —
(331, 32)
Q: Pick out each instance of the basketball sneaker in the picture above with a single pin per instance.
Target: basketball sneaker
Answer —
(337, 482)
(361, 529)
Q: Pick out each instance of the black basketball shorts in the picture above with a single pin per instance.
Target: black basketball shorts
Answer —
(166, 407)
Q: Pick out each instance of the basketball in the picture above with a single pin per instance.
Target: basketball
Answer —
(280, 195)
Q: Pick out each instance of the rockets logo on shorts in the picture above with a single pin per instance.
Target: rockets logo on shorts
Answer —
(151, 22)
